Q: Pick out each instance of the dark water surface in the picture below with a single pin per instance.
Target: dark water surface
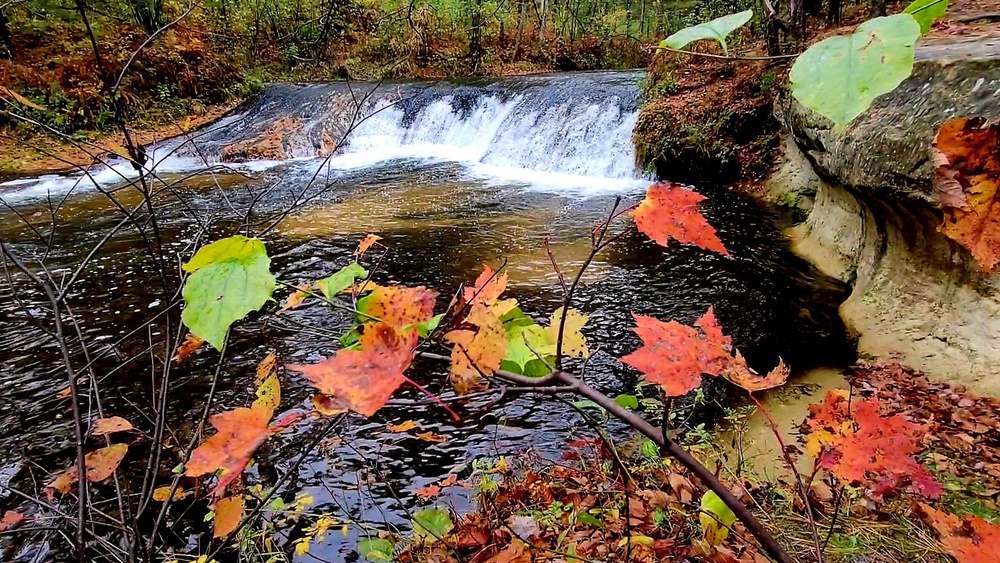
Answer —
(441, 219)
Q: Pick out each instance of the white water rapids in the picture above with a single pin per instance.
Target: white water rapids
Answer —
(556, 133)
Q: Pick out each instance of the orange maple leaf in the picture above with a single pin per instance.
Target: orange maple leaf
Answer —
(240, 432)
(967, 174)
(489, 285)
(862, 446)
(428, 492)
(228, 513)
(671, 212)
(675, 356)
(100, 465)
(190, 344)
(365, 244)
(476, 353)
(400, 306)
(364, 380)
(973, 540)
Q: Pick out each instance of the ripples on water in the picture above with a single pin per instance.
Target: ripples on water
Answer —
(440, 221)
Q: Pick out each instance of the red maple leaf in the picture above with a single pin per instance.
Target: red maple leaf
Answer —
(675, 356)
(364, 380)
(865, 447)
(671, 212)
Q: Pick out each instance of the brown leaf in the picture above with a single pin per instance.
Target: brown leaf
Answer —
(110, 425)
(20, 99)
(741, 376)
(100, 465)
(432, 437)
(296, 298)
(404, 426)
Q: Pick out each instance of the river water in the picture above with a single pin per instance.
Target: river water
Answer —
(451, 175)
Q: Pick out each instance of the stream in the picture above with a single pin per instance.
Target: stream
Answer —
(451, 175)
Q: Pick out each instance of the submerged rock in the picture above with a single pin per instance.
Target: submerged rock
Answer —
(874, 217)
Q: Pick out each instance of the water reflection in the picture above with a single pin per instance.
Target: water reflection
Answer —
(440, 225)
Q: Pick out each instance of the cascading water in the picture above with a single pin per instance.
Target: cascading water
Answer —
(556, 131)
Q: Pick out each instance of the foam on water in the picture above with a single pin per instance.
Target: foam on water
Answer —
(569, 133)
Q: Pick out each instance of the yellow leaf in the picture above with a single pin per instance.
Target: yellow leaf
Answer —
(161, 493)
(269, 394)
(432, 437)
(402, 426)
(574, 343)
(637, 539)
(267, 367)
(228, 513)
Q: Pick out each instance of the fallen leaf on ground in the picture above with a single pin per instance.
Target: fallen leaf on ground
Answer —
(110, 425)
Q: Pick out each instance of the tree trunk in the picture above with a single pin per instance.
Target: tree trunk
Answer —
(833, 12)
(541, 21)
(521, 19)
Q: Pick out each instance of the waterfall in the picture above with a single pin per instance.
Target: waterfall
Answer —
(571, 129)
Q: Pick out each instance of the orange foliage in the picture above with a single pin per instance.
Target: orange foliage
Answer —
(671, 212)
(973, 540)
(100, 465)
(675, 356)
(240, 432)
(859, 445)
(476, 353)
(364, 380)
(400, 306)
(967, 170)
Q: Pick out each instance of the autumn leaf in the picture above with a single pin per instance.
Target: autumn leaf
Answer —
(110, 425)
(428, 492)
(404, 426)
(365, 244)
(11, 520)
(574, 343)
(364, 380)
(268, 395)
(240, 432)
(399, 306)
(476, 353)
(675, 356)
(671, 212)
(747, 380)
(973, 540)
(228, 513)
(432, 437)
(327, 405)
(161, 494)
(100, 465)
(862, 446)
(966, 156)
(190, 344)
(296, 298)
(266, 368)
(488, 287)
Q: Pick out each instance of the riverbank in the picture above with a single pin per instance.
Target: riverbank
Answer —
(609, 501)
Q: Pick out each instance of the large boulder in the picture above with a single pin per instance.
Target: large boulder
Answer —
(874, 215)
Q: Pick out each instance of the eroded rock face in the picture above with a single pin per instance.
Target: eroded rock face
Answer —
(875, 215)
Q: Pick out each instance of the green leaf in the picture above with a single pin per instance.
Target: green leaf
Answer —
(432, 523)
(926, 12)
(650, 450)
(425, 328)
(376, 549)
(717, 29)
(523, 341)
(841, 76)
(341, 280)
(629, 402)
(716, 518)
(229, 279)
(588, 519)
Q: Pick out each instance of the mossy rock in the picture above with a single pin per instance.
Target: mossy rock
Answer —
(707, 119)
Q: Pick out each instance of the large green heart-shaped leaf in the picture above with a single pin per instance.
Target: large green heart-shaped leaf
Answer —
(229, 278)
(717, 29)
(841, 76)
(926, 12)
